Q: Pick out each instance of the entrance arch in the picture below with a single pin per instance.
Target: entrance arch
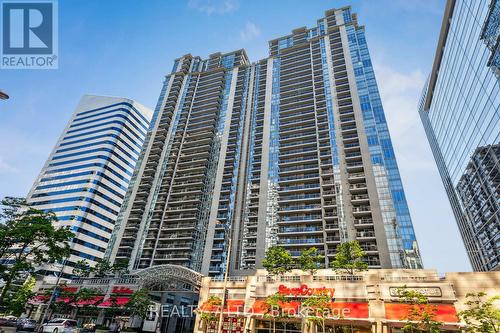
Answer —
(169, 278)
(175, 288)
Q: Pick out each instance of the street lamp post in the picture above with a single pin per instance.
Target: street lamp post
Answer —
(224, 289)
(49, 303)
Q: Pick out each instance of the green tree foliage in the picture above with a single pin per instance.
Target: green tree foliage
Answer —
(318, 308)
(278, 261)
(349, 258)
(139, 303)
(481, 316)
(29, 239)
(310, 260)
(85, 299)
(82, 268)
(274, 302)
(102, 268)
(120, 267)
(421, 316)
(105, 268)
(68, 301)
(16, 302)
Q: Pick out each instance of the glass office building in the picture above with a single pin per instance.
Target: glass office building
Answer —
(292, 150)
(85, 179)
(460, 110)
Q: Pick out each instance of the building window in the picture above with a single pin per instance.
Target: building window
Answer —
(491, 36)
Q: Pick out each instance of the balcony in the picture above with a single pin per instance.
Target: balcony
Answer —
(363, 222)
(363, 210)
(365, 234)
(300, 229)
(357, 188)
(333, 239)
(300, 241)
(359, 198)
(356, 177)
(293, 208)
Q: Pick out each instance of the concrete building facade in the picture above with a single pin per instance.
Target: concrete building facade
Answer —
(292, 150)
(365, 302)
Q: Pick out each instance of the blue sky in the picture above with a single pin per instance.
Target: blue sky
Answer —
(124, 48)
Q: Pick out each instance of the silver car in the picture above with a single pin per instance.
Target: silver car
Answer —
(60, 325)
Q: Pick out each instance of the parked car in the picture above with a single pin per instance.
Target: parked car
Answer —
(26, 324)
(88, 328)
(9, 321)
(60, 325)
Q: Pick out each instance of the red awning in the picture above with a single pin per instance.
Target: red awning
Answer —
(70, 289)
(38, 299)
(63, 299)
(91, 301)
(114, 301)
(443, 312)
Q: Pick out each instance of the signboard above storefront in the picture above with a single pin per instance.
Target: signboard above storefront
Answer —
(425, 291)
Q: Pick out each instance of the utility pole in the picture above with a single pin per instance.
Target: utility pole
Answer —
(49, 303)
(221, 316)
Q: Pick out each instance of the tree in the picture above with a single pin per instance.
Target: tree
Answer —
(349, 258)
(65, 300)
(139, 303)
(481, 315)
(274, 302)
(207, 314)
(318, 308)
(29, 239)
(120, 267)
(421, 316)
(102, 268)
(310, 260)
(17, 302)
(82, 268)
(85, 299)
(105, 268)
(278, 261)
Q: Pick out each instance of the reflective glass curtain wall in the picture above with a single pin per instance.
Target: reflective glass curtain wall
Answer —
(460, 112)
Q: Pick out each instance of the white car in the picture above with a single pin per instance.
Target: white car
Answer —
(60, 325)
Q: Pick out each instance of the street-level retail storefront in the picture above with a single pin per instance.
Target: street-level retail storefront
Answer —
(367, 302)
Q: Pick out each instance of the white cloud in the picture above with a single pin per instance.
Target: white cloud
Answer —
(6, 167)
(431, 213)
(210, 7)
(250, 31)
(400, 93)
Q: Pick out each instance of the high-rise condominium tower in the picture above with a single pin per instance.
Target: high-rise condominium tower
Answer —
(292, 150)
(460, 110)
(85, 179)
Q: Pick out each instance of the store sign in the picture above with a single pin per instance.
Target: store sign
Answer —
(122, 290)
(425, 291)
(304, 290)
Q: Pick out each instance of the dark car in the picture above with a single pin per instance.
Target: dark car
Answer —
(9, 321)
(26, 324)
